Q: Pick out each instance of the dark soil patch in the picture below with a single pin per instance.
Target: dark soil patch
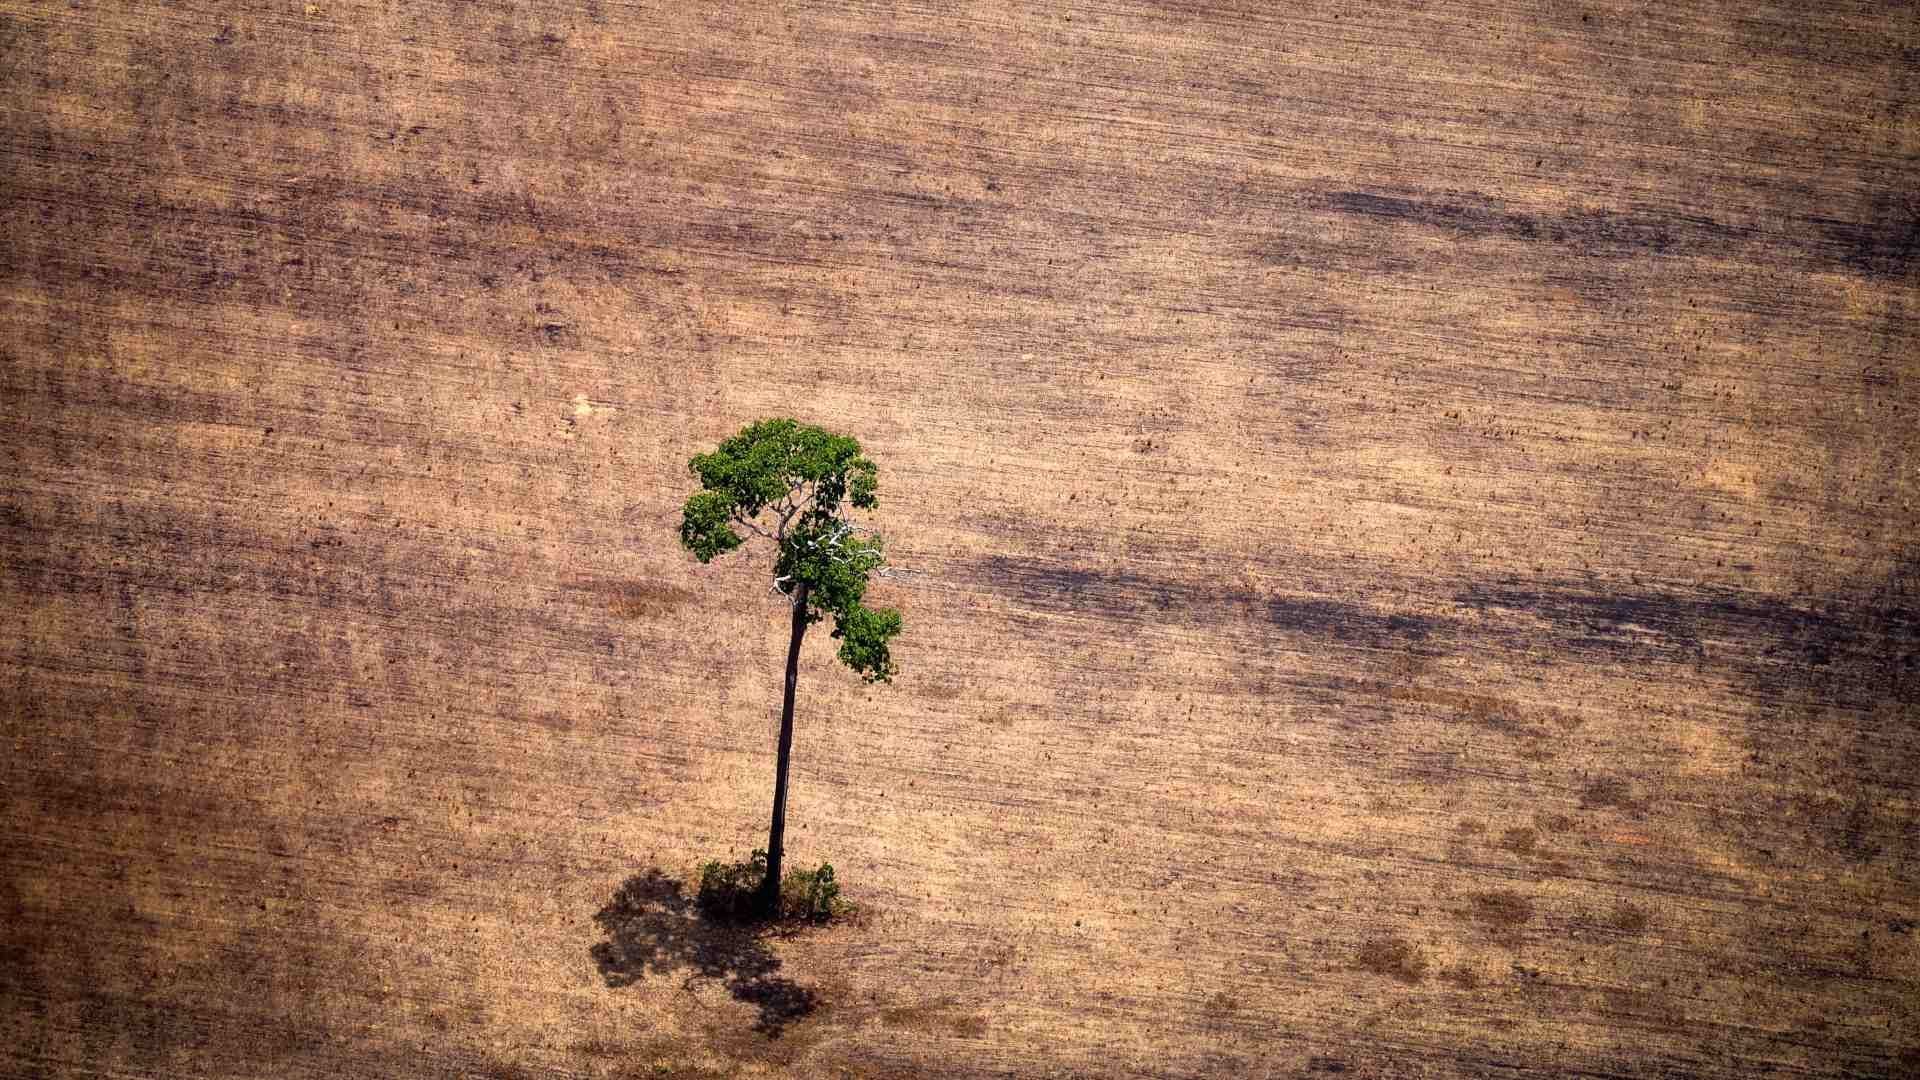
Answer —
(1629, 918)
(935, 1018)
(1502, 908)
(1519, 841)
(1394, 958)
(1608, 791)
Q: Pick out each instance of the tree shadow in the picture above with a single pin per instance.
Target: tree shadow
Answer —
(653, 926)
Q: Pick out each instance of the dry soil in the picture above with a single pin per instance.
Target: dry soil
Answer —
(1410, 510)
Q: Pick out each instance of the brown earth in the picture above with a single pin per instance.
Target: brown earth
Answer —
(1413, 520)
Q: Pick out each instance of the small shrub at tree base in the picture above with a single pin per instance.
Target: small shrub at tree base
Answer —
(730, 892)
(727, 890)
(811, 895)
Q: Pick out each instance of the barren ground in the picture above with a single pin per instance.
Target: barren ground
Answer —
(1413, 519)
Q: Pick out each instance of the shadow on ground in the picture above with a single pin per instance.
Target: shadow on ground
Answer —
(653, 926)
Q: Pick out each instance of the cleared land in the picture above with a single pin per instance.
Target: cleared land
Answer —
(1414, 519)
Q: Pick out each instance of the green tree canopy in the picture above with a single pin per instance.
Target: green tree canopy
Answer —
(790, 483)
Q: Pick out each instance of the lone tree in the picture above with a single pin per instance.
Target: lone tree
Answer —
(786, 482)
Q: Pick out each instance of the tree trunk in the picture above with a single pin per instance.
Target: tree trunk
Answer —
(770, 888)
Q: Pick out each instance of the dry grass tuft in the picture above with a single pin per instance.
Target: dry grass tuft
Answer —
(1519, 841)
(1462, 976)
(644, 599)
(1629, 918)
(935, 1018)
(1392, 957)
(1502, 908)
(1607, 791)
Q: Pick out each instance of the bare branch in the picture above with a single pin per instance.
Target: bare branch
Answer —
(748, 523)
(790, 504)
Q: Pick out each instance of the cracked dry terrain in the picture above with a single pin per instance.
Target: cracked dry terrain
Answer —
(1413, 520)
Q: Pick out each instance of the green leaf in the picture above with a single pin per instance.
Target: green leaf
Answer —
(771, 458)
(864, 635)
(863, 475)
(704, 525)
(825, 554)
(791, 480)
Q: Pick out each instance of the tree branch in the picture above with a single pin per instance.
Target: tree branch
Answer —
(788, 509)
(748, 523)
